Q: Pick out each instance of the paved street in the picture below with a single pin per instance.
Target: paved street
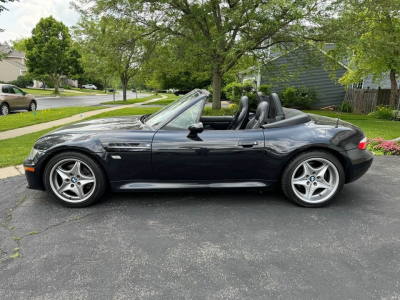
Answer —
(46, 103)
(221, 245)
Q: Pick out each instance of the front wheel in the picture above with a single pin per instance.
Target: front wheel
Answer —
(32, 106)
(313, 179)
(74, 179)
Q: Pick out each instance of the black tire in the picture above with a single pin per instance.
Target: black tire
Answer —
(30, 106)
(101, 181)
(4, 109)
(295, 164)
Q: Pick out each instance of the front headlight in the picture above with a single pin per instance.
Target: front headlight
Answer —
(34, 153)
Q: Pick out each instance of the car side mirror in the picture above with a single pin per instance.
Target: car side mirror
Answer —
(196, 128)
(25, 93)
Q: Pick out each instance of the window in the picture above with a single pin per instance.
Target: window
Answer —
(186, 119)
(17, 91)
(8, 90)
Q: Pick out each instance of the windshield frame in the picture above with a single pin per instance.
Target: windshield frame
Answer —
(203, 96)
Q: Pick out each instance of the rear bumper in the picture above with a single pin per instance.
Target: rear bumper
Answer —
(361, 161)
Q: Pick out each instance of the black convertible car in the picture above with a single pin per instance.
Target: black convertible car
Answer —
(309, 157)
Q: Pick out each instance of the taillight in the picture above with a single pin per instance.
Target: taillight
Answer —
(363, 144)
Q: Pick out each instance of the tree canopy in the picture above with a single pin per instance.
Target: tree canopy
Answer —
(49, 51)
(221, 31)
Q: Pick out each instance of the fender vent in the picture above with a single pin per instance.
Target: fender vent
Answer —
(122, 147)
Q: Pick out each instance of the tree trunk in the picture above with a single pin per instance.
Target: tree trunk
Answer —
(394, 89)
(56, 83)
(217, 83)
(124, 82)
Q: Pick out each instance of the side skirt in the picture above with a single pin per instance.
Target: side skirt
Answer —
(124, 186)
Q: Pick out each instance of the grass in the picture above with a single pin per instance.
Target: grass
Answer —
(371, 126)
(170, 98)
(48, 93)
(24, 119)
(132, 101)
(13, 151)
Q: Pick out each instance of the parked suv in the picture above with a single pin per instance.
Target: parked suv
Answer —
(89, 86)
(13, 98)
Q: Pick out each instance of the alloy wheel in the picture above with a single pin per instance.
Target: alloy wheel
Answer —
(315, 180)
(72, 180)
(33, 106)
(4, 110)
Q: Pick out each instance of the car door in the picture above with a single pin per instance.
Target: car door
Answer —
(10, 97)
(22, 101)
(215, 155)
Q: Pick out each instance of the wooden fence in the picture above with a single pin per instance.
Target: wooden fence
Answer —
(365, 101)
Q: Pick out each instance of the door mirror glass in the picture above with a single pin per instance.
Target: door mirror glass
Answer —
(196, 128)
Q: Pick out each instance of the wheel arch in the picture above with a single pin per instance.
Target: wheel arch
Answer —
(79, 150)
(342, 159)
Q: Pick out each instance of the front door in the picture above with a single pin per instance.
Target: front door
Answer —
(213, 155)
(20, 99)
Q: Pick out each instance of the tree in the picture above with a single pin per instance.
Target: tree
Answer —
(118, 45)
(19, 44)
(369, 33)
(49, 51)
(222, 30)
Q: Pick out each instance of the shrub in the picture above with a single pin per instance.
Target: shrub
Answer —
(301, 97)
(381, 147)
(382, 112)
(345, 107)
(233, 91)
(252, 99)
(22, 82)
(248, 85)
(66, 87)
(225, 111)
(265, 89)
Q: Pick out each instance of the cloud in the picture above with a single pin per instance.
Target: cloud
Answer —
(23, 16)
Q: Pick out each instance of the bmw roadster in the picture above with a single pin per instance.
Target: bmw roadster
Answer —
(176, 148)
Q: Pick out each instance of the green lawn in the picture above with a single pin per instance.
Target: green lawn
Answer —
(132, 101)
(371, 126)
(48, 93)
(24, 119)
(171, 98)
(14, 151)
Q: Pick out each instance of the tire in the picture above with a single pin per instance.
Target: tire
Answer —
(32, 106)
(313, 179)
(74, 179)
(4, 109)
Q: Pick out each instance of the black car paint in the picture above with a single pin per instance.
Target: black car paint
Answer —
(213, 159)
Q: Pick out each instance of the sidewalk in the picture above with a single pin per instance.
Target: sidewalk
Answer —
(75, 118)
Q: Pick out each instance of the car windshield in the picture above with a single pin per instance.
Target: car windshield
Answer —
(171, 109)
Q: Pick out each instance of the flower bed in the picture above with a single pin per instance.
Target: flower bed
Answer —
(381, 147)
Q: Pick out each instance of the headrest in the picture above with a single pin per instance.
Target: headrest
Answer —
(244, 102)
(262, 111)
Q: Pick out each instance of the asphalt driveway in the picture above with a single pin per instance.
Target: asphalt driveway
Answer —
(222, 245)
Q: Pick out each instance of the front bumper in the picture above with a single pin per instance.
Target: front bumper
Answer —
(34, 178)
(361, 161)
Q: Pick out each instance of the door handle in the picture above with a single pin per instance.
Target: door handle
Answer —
(247, 144)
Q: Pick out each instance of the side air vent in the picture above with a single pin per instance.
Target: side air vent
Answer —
(123, 147)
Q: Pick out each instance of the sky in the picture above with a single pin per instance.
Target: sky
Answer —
(23, 16)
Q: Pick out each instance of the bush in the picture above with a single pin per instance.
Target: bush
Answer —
(265, 89)
(382, 112)
(301, 97)
(66, 87)
(233, 91)
(381, 147)
(248, 85)
(345, 107)
(22, 82)
(252, 99)
(225, 111)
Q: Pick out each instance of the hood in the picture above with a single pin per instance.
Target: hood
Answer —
(101, 125)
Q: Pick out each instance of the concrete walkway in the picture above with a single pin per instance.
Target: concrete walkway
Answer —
(75, 118)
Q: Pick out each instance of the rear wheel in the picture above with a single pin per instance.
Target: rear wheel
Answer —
(32, 106)
(74, 179)
(4, 109)
(313, 179)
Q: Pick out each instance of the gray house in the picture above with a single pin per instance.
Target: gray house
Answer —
(297, 68)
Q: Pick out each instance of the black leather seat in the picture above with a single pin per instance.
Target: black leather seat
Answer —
(241, 116)
(261, 116)
(276, 111)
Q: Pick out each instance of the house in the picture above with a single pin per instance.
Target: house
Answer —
(295, 68)
(14, 65)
